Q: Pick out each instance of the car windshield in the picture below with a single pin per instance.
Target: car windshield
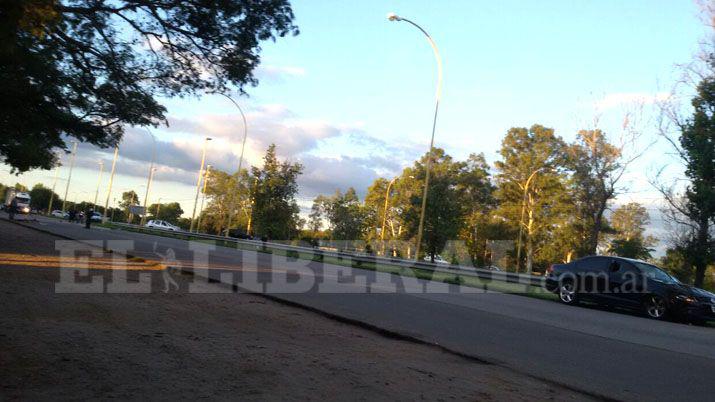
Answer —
(22, 200)
(653, 272)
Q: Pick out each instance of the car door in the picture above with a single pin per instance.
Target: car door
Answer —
(624, 283)
(593, 276)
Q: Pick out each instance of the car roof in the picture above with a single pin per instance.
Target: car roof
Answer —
(617, 258)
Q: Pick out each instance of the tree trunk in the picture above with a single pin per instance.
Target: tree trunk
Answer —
(529, 242)
(594, 233)
(702, 252)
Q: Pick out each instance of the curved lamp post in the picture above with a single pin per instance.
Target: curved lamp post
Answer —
(240, 160)
(523, 211)
(198, 183)
(69, 177)
(99, 181)
(109, 188)
(395, 17)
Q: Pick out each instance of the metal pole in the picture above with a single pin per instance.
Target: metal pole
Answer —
(151, 174)
(198, 184)
(203, 197)
(438, 93)
(240, 160)
(158, 205)
(99, 181)
(521, 220)
(52, 195)
(69, 177)
(384, 214)
(111, 180)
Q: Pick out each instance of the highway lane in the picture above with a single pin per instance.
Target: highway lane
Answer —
(600, 352)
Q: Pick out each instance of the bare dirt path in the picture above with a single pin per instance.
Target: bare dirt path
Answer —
(178, 345)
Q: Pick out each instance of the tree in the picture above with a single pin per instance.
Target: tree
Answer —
(170, 212)
(629, 222)
(40, 198)
(443, 211)
(86, 69)
(129, 199)
(345, 215)
(227, 194)
(476, 197)
(275, 211)
(530, 185)
(596, 169)
(694, 210)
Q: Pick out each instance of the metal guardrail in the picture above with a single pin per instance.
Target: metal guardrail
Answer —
(485, 274)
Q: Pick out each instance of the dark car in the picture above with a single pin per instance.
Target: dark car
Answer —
(632, 284)
(238, 234)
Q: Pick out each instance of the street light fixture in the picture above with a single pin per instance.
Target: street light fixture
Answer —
(198, 183)
(240, 160)
(395, 17)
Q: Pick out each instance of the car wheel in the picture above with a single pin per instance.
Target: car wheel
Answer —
(655, 307)
(567, 292)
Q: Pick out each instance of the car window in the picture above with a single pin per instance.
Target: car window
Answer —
(593, 263)
(653, 272)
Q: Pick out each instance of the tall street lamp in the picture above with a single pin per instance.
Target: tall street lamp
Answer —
(109, 188)
(69, 177)
(151, 175)
(203, 196)
(99, 181)
(395, 17)
(384, 214)
(54, 184)
(198, 183)
(240, 160)
(523, 211)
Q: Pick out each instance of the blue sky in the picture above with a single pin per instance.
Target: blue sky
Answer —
(352, 96)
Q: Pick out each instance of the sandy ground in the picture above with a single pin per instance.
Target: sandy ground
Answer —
(177, 345)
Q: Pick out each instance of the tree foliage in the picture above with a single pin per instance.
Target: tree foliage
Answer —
(86, 69)
(273, 190)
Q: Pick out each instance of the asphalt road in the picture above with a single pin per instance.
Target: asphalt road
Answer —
(603, 353)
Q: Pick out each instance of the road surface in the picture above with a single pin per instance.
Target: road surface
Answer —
(602, 353)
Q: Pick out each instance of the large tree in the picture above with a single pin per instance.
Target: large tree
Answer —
(694, 209)
(443, 211)
(170, 212)
(629, 240)
(273, 190)
(596, 167)
(87, 68)
(40, 198)
(530, 186)
(345, 215)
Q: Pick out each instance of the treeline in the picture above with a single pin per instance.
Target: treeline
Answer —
(547, 196)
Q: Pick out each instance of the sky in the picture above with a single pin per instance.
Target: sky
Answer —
(352, 96)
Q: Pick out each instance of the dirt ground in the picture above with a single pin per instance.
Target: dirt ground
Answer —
(178, 345)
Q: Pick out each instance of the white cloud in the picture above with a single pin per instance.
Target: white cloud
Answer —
(278, 74)
(617, 99)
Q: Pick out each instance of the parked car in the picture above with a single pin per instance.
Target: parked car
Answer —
(238, 234)
(59, 214)
(96, 217)
(437, 259)
(632, 284)
(164, 225)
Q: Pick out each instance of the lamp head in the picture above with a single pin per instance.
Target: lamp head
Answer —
(393, 17)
